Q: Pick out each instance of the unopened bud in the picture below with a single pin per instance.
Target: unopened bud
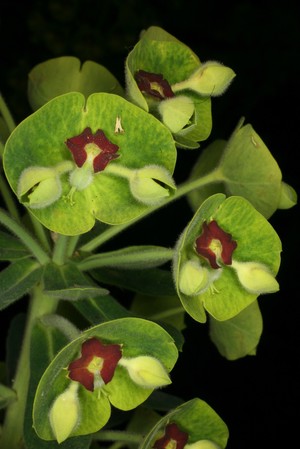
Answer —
(202, 444)
(146, 371)
(64, 413)
(193, 278)
(288, 196)
(211, 78)
(151, 184)
(255, 277)
(40, 186)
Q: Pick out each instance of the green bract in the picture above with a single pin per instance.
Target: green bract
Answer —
(67, 198)
(187, 114)
(198, 420)
(137, 337)
(225, 291)
(65, 74)
(243, 166)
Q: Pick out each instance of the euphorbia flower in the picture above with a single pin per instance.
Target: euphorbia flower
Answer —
(96, 365)
(215, 245)
(96, 148)
(173, 438)
(153, 84)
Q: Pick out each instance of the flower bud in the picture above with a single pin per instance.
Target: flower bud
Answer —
(64, 413)
(39, 187)
(176, 112)
(255, 277)
(211, 78)
(80, 178)
(146, 184)
(146, 371)
(288, 196)
(193, 278)
(202, 444)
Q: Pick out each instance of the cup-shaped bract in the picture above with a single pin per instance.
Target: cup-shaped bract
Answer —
(157, 62)
(58, 76)
(243, 166)
(98, 354)
(83, 135)
(194, 424)
(228, 237)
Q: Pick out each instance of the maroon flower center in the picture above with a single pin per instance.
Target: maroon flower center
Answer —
(93, 147)
(215, 245)
(97, 362)
(173, 438)
(153, 84)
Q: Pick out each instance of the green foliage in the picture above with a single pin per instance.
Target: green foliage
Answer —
(91, 160)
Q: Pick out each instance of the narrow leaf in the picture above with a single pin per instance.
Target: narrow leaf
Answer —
(100, 308)
(132, 257)
(68, 283)
(17, 279)
(151, 282)
(11, 248)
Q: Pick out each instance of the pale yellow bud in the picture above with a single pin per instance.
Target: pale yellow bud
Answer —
(146, 371)
(39, 187)
(193, 278)
(151, 184)
(64, 413)
(202, 444)
(211, 78)
(255, 277)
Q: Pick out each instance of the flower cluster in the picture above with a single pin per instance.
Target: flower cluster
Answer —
(224, 266)
(92, 167)
(165, 77)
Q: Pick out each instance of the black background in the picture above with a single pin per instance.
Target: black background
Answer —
(258, 396)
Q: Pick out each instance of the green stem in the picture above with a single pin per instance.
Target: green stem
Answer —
(72, 245)
(166, 313)
(40, 233)
(118, 435)
(6, 115)
(8, 199)
(25, 237)
(60, 249)
(12, 431)
(183, 189)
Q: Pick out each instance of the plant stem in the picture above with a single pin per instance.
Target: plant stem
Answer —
(72, 245)
(10, 204)
(166, 313)
(116, 435)
(12, 431)
(59, 252)
(25, 237)
(40, 233)
(183, 189)
(6, 115)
